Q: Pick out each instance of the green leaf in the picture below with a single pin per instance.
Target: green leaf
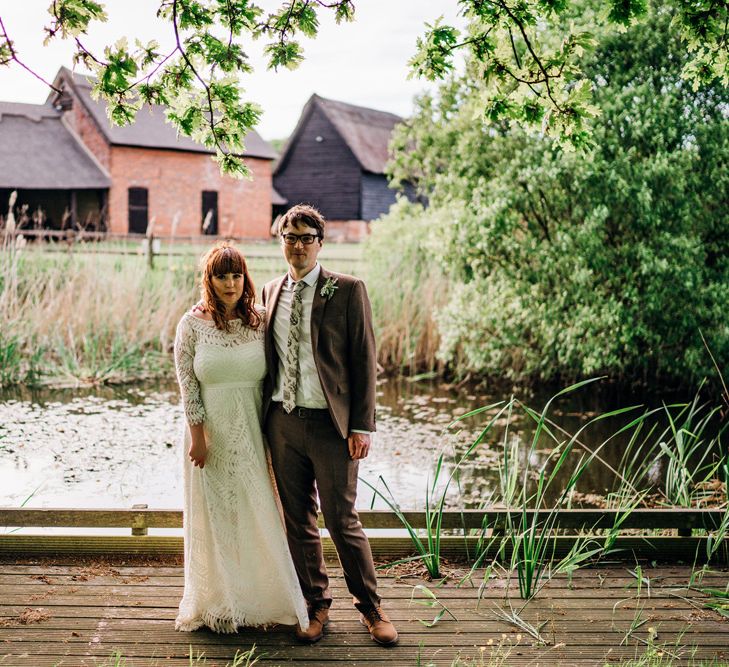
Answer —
(284, 54)
(72, 17)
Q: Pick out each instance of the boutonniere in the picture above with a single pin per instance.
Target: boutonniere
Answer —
(329, 287)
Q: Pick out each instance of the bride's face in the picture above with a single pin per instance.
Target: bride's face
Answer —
(228, 287)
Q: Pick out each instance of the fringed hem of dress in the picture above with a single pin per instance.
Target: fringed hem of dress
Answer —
(226, 624)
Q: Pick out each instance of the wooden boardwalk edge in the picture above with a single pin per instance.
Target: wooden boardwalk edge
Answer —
(661, 548)
(142, 517)
(697, 531)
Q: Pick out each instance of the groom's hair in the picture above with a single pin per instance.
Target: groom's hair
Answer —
(302, 215)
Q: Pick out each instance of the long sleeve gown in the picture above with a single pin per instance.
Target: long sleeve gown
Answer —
(238, 568)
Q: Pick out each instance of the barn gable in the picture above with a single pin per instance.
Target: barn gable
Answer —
(335, 160)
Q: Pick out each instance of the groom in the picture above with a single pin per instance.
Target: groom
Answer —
(319, 411)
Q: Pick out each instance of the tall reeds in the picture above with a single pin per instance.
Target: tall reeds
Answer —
(682, 461)
(87, 317)
(539, 490)
(407, 288)
(97, 312)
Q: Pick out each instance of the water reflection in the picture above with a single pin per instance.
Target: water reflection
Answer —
(118, 446)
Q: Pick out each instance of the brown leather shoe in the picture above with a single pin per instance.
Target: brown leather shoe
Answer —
(380, 627)
(318, 618)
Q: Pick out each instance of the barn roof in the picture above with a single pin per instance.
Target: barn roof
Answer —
(277, 199)
(150, 129)
(38, 151)
(366, 131)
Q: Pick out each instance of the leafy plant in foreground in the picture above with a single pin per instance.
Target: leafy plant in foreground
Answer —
(532, 535)
(428, 547)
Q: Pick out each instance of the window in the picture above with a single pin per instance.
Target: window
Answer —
(210, 212)
(138, 210)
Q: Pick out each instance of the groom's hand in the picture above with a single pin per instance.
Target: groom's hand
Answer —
(359, 445)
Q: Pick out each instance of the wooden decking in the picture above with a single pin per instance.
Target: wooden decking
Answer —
(68, 614)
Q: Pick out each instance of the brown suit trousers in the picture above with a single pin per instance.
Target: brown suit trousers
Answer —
(309, 456)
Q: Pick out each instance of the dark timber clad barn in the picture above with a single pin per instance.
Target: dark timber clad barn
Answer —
(335, 160)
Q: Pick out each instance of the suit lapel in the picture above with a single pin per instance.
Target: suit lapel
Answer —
(317, 309)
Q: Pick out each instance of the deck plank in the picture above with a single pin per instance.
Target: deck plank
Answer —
(88, 612)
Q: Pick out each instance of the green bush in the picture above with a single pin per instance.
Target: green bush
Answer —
(563, 265)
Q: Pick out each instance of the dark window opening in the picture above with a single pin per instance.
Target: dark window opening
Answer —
(210, 212)
(138, 210)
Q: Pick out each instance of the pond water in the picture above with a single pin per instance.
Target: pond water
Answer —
(113, 447)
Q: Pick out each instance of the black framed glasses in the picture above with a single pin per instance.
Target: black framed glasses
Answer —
(306, 239)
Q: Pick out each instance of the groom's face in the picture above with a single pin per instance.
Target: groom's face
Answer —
(300, 257)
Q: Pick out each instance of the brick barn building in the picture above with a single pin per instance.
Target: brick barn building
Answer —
(65, 157)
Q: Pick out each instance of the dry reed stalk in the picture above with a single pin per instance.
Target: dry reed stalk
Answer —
(407, 334)
(90, 306)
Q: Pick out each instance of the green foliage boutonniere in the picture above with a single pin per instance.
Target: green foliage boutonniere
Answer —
(330, 286)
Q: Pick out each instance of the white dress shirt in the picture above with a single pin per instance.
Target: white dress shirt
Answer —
(309, 393)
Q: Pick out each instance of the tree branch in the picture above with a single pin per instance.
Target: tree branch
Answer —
(14, 58)
(208, 94)
(536, 58)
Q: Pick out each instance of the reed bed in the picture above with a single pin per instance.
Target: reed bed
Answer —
(96, 312)
(87, 317)
(689, 451)
(407, 288)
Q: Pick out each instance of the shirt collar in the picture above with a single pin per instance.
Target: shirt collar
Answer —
(310, 278)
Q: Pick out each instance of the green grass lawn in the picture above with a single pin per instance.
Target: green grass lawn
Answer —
(265, 260)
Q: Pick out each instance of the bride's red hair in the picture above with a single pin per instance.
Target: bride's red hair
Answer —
(222, 259)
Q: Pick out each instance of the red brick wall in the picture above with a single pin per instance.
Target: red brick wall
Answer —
(86, 128)
(175, 181)
(339, 231)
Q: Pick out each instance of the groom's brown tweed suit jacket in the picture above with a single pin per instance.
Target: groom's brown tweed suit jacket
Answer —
(343, 343)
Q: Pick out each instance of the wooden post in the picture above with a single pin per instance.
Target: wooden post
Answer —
(150, 242)
(150, 251)
(139, 525)
(73, 205)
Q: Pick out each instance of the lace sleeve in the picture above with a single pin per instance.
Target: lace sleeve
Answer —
(189, 385)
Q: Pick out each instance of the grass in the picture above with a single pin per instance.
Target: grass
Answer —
(659, 655)
(718, 600)
(676, 461)
(531, 536)
(407, 289)
(93, 315)
(526, 548)
(428, 545)
(90, 318)
(424, 596)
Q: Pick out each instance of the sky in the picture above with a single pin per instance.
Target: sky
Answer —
(362, 63)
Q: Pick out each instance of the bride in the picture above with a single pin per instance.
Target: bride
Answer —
(238, 570)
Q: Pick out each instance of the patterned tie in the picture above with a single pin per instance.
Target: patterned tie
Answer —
(291, 368)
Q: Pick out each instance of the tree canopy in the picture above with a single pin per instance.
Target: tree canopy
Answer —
(528, 54)
(563, 267)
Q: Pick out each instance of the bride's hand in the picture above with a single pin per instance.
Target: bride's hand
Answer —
(198, 451)
(199, 308)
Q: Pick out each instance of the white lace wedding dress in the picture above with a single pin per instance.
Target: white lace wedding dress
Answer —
(238, 569)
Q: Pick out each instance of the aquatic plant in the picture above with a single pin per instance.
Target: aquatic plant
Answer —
(676, 461)
(428, 546)
(531, 536)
